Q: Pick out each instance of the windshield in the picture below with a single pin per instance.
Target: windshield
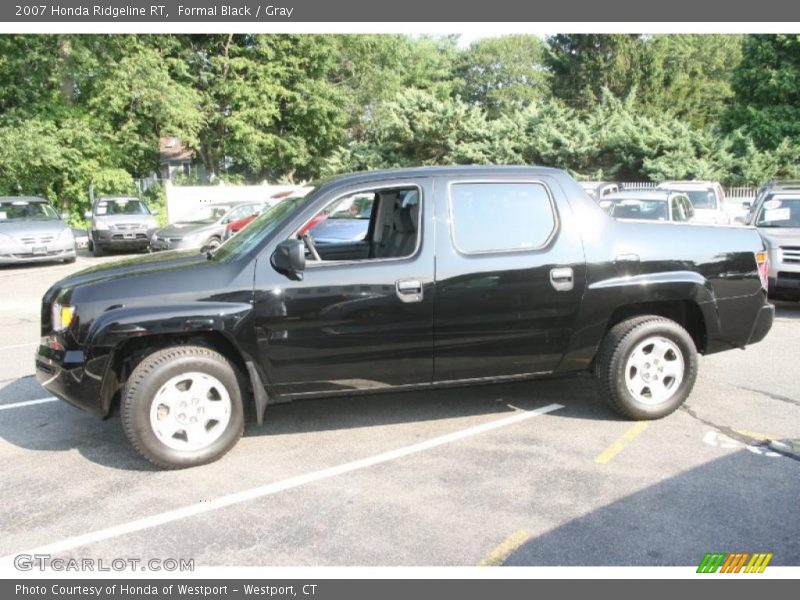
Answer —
(252, 235)
(20, 210)
(631, 208)
(121, 206)
(702, 199)
(205, 215)
(779, 213)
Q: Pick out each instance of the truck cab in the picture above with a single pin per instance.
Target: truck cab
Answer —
(464, 275)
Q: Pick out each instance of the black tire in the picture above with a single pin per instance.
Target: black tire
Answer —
(69, 260)
(97, 250)
(213, 243)
(612, 360)
(90, 245)
(145, 382)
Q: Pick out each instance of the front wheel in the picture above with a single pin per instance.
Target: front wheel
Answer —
(646, 367)
(182, 407)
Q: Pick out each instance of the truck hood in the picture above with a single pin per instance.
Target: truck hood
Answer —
(131, 267)
(780, 236)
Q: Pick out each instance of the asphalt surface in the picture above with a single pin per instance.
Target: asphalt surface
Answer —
(449, 477)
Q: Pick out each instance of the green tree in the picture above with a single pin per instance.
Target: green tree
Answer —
(504, 74)
(583, 65)
(766, 87)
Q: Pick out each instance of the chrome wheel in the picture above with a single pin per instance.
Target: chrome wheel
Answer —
(654, 370)
(190, 411)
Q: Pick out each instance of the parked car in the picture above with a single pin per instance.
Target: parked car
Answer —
(347, 222)
(519, 274)
(599, 189)
(653, 205)
(707, 198)
(119, 223)
(32, 231)
(204, 228)
(236, 226)
(81, 238)
(778, 221)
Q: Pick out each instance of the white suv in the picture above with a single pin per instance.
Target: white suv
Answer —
(707, 197)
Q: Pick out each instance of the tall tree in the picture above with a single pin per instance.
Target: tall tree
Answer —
(584, 64)
(766, 88)
(504, 74)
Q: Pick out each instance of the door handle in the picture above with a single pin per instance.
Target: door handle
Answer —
(409, 290)
(562, 279)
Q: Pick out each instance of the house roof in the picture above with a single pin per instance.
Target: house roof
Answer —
(172, 148)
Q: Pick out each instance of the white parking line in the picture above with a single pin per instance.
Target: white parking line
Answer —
(278, 486)
(29, 344)
(27, 403)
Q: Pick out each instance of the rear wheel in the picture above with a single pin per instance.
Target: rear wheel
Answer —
(646, 367)
(182, 407)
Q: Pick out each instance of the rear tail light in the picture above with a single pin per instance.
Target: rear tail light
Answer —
(762, 260)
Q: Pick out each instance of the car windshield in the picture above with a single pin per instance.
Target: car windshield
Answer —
(634, 208)
(205, 215)
(121, 206)
(252, 235)
(779, 213)
(22, 210)
(702, 199)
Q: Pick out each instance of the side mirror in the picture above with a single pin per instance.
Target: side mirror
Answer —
(87, 214)
(747, 204)
(154, 213)
(289, 259)
(65, 216)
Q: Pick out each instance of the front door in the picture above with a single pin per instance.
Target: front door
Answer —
(362, 317)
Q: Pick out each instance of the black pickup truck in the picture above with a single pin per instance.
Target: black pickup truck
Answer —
(461, 275)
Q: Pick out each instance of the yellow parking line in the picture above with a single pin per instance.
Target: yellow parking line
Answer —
(619, 444)
(498, 556)
(757, 435)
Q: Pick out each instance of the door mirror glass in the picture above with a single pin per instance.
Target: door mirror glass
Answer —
(289, 259)
(65, 216)
(87, 214)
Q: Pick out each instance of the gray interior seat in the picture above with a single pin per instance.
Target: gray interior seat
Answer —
(400, 237)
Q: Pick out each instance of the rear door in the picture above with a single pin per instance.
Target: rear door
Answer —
(510, 273)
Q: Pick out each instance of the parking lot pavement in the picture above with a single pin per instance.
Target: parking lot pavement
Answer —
(448, 477)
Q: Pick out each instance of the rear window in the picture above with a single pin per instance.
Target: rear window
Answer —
(500, 217)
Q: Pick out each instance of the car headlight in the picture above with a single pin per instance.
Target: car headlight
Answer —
(66, 234)
(101, 226)
(62, 316)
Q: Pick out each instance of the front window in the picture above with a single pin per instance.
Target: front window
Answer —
(121, 206)
(779, 213)
(21, 210)
(240, 212)
(635, 208)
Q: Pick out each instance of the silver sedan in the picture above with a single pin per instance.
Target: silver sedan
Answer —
(32, 231)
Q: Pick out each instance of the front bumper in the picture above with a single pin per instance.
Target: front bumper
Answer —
(22, 255)
(121, 239)
(69, 376)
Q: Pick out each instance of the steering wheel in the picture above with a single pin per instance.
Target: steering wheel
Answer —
(309, 242)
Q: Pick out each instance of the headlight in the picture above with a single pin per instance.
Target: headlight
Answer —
(66, 234)
(62, 316)
(101, 225)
